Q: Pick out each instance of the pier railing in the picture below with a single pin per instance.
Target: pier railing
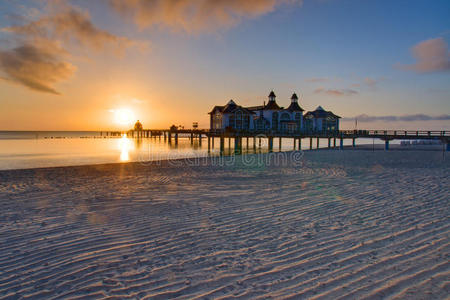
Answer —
(382, 134)
(296, 135)
(396, 134)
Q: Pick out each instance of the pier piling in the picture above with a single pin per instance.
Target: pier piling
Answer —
(222, 144)
(237, 145)
(192, 134)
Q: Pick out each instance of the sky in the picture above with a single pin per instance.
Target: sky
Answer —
(99, 65)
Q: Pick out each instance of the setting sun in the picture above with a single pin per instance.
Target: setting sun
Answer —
(123, 116)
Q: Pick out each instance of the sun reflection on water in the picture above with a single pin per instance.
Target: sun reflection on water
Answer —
(125, 146)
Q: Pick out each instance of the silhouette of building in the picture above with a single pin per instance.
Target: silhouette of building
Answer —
(138, 126)
(271, 117)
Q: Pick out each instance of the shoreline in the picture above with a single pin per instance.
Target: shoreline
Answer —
(364, 147)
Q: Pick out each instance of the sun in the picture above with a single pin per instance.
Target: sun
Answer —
(123, 116)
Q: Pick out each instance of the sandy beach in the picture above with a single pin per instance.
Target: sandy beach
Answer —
(322, 224)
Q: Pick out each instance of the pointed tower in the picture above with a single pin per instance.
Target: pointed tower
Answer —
(272, 104)
(294, 104)
(272, 96)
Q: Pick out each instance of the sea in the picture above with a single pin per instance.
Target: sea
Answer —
(38, 149)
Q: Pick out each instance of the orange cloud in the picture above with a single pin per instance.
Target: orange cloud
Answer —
(194, 15)
(39, 61)
(37, 66)
(70, 25)
(431, 56)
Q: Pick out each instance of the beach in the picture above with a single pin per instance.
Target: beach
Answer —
(324, 224)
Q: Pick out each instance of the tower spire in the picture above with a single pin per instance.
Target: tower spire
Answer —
(294, 98)
(272, 96)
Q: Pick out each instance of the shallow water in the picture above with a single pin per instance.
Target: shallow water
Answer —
(33, 149)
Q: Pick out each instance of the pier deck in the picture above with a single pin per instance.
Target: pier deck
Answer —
(341, 135)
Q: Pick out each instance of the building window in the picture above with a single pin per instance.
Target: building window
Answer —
(262, 124)
(298, 120)
(330, 124)
(231, 122)
(285, 117)
(239, 120)
(246, 122)
(275, 121)
(217, 121)
(309, 124)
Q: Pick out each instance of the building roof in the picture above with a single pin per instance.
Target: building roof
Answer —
(230, 107)
(272, 105)
(272, 94)
(295, 107)
(321, 113)
(253, 108)
(217, 107)
(294, 96)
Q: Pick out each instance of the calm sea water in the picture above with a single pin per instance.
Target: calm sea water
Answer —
(34, 149)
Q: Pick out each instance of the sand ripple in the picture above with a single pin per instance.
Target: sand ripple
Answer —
(341, 225)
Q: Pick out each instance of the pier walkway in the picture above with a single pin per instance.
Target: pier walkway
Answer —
(172, 135)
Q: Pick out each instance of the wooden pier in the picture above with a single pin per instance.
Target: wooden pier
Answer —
(172, 136)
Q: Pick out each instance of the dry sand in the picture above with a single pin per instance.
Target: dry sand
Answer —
(333, 225)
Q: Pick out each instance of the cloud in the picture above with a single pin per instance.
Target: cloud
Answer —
(370, 81)
(431, 56)
(40, 58)
(70, 25)
(335, 92)
(194, 15)
(404, 118)
(37, 67)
